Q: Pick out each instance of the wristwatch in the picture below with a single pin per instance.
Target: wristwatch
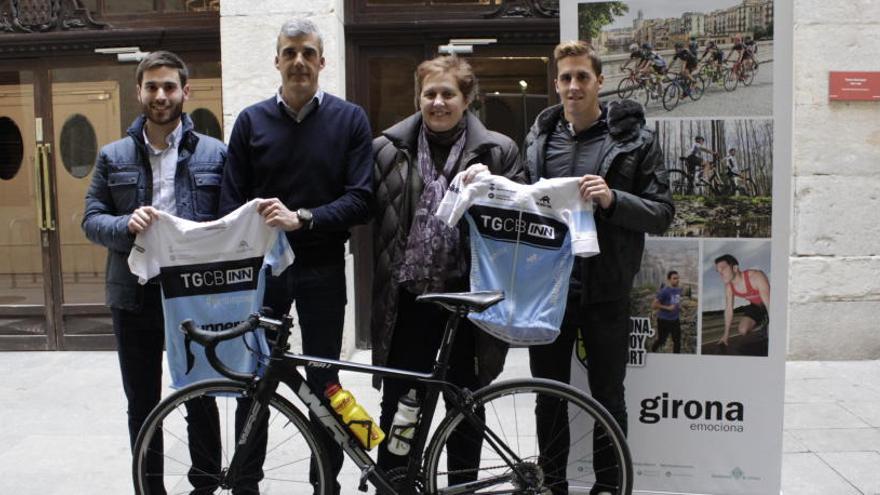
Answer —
(305, 217)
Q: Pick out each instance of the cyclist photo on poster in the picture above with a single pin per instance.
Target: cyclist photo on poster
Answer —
(720, 174)
(692, 60)
(666, 291)
(736, 297)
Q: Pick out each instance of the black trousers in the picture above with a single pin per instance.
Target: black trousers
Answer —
(140, 337)
(318, 290)
(418, 333)
(605, 331)
(665, 329)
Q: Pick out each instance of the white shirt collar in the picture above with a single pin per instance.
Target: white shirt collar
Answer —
(172, 139)
(314, 103)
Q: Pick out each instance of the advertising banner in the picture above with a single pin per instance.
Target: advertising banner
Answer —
(705, 382)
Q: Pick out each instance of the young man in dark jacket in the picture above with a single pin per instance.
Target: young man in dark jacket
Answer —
(621, 169)
(162, 164)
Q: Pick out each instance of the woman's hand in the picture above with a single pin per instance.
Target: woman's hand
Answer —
(471, 173)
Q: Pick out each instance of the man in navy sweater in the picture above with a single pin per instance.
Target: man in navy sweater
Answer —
(309, 153)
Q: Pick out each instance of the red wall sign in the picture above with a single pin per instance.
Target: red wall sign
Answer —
(850, 86)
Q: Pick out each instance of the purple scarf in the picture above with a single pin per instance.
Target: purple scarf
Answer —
(433, 250)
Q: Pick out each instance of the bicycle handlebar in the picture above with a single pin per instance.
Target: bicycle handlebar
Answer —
(210, 340)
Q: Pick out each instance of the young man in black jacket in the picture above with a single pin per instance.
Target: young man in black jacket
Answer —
(621, 169)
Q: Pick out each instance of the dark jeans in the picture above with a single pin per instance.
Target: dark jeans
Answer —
(665, 329)
(414, 346)
(318, 291)
(605, 331)
(140, 337)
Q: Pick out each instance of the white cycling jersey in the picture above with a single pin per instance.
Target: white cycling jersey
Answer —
(212, 273)
(523, 242)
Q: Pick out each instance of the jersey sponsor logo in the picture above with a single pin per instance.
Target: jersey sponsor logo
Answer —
(513, 226)
(210, 278)
(544, 201)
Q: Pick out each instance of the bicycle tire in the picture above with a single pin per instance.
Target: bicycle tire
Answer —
(678, 181)
(749, 77)
(626, 88)
(510, 414)
(730, 80)
(697, 88)
(290, 444)
(671, 95)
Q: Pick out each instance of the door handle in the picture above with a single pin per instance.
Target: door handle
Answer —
(47, 191)
(38, 181)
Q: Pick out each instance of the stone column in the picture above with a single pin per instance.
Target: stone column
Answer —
(835, 250)
(248, 32)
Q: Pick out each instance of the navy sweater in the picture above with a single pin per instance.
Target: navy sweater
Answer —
(323, 163)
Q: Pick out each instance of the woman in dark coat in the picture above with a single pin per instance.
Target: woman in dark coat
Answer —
(415, 253)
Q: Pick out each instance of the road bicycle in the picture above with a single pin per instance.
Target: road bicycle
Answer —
(713, 73)
(262, 443)
(719, 183)
(629, 84)
(680, 87)
(652, 87)
(741, 72)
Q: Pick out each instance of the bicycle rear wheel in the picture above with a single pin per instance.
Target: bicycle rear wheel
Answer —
(749, 75)
(680, 182)
(188, 442)
(579, 447)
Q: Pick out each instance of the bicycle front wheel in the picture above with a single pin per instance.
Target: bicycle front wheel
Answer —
(189, 441)
(538, 436)
(731, 79)
(671, 95)
(698, 87)
(626, 88)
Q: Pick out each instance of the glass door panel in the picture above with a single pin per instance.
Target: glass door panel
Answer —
(205, 106)
(22, 290)
(86, 116)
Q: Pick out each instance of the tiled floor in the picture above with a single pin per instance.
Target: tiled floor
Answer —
(62, 426)
(832, 428)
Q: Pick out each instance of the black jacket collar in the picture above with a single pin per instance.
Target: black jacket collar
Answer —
(625, 119)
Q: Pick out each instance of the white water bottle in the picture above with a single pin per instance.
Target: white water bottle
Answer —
(403, 427)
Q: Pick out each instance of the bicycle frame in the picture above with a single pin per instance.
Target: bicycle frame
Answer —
(283, 369)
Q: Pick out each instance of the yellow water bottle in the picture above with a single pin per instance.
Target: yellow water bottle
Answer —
(354, 416)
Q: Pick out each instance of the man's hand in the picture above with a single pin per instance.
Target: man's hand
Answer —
(142, 218)
(723, 340)
(277, 215)
(471, 173)
(594, 188)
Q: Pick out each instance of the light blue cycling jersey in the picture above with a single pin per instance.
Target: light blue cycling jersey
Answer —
(523, 242)
(212, 273)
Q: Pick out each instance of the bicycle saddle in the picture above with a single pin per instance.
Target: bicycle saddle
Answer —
(476, 302)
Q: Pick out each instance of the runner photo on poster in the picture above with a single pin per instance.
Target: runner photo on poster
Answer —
(666, 294)
(736, 297)
(685, 58)
(721, 176)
